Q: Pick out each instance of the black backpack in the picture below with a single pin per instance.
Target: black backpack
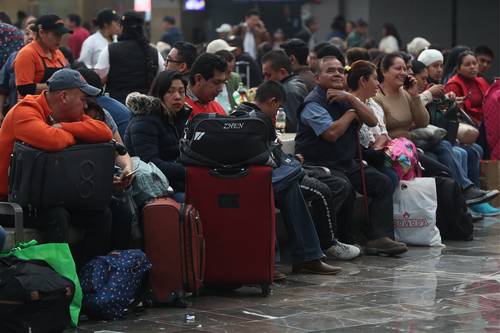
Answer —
(33, 297)
(217, 141)
(452, 218)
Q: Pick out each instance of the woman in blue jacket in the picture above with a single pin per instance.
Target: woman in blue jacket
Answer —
(157, 125)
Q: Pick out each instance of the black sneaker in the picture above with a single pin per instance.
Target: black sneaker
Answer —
(473, 195)
(490, 194)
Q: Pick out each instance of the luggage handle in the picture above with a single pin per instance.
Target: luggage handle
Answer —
(11, 208)
(229, 173)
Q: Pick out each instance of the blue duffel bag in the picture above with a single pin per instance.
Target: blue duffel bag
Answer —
(110, 284)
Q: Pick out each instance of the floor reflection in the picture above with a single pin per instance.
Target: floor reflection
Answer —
(451, 289)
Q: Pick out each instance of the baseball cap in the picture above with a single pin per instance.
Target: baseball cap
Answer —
(67, 78)
(224, 28)
(218, 45)
(51, 23)
(106, 15)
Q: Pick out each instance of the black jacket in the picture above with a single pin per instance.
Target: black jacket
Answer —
(129, 71)
(153, 138)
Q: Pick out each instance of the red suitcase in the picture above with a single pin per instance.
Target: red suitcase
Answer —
(237, 212)
(174, 243)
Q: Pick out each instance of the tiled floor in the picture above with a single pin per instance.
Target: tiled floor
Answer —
(452, 289)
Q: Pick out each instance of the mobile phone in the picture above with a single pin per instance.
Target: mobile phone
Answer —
(407, 83)
(131, 173)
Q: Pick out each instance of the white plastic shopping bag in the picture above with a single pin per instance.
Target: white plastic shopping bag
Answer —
(415, 205)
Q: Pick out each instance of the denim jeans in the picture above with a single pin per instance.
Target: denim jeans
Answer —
(474, 156)
(305, 245)
(452, 158)
(2, 238)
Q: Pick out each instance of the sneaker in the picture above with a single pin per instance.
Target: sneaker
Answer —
(485, 209)
(476, 217)
(473, 195)
(342, 251)
(385, 245)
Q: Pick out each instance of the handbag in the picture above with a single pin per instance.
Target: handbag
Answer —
(33, 297)
(219, 141)
(58, 256)
(111, 283)
(415, 206)
(401, 154)
(427, 137)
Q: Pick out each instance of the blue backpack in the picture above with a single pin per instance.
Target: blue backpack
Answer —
(110, 283)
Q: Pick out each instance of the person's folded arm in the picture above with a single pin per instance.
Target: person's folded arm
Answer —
(338, 127)
(32, 129)
(89, 130)
(322, 124)
(365, 113)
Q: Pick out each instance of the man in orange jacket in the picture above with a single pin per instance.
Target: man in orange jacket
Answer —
(52, 121)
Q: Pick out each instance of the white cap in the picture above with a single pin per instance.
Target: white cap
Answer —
(224, 27)
(417, 45)
(428, 57)
(218, 45)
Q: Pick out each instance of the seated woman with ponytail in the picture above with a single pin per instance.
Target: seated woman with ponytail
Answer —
(131, 64)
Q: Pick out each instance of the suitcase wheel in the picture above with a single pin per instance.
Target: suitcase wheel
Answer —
(266, 289)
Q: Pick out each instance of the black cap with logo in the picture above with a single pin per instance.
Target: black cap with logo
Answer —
(51, 23)
(106, 15)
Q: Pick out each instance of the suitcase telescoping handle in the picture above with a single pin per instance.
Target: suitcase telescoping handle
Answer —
(229, 173)
(11, 208)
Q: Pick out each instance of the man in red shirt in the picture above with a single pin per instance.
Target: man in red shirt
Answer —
(80, 34)
(206, 81)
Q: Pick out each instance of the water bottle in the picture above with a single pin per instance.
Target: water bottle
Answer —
(280, 120)
(240, 95)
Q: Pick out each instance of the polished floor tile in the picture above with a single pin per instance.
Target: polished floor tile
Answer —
(455, 288)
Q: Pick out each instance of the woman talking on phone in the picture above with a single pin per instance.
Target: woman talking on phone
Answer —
(399, 98)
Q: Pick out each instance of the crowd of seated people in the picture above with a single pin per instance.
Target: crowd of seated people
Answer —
(129, 92)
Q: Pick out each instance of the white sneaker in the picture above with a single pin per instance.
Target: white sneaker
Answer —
(342, 251)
